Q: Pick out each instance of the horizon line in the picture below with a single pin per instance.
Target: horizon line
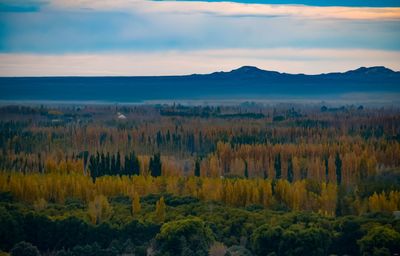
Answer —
(209, 73)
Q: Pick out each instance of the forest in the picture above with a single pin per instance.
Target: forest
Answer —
(171, 179)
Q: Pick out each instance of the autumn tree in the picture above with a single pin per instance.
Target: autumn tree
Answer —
(160, 210)
(136, 206)
(99, 209)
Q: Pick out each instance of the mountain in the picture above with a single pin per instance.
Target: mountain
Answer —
(247, 72)
(246, 82)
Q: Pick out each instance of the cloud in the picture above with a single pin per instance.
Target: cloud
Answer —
(349, 3)
(69, 30)
(310, 61)
(82, 37)
(232, 9)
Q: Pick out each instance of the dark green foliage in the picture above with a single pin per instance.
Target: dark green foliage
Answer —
(100, 165)
(248, 231)
(295, 240)
(349, 231)
(239, 251)
(246, 170)
(10, 231)
(266, 239)
(88, 250)
(388, 180)
(40, 231)
(6, 197)
(138, 233)
(278, 118)
(24, 249)
(132, 165)
(310, 241)
(197, 168)
(278, 167)
(338, 163)
(380, 240)
(155, 165)
(169, 199)
(290, 170)
(189, 236)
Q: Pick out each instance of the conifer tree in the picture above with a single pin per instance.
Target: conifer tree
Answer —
(197, 168)
(338, 163)
(155, 165)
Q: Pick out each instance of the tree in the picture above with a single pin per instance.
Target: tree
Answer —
(155, 165)
(118, 164)
(136, 207)
(305, 241)
(189, 236)
(10, 231)
(160, 210)
(338, 163)
(278, 167)
(197, 168)
(132, 164)
(99, 209)
(24, 249)
(294, 240)
(266, 239)
(346, 240)
(246, 170)
(380, 239)
(290, 170)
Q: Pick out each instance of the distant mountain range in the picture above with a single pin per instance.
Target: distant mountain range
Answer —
(246, 82)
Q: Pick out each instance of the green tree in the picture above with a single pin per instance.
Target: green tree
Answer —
(338, 163)
(380, 239)
(197, 168)
(155, 165)
(345, 243)
(246, 170)
(267, 239)
(24, 249)
(278, 167)
(189, 236)
(10, 231)
(290, 170)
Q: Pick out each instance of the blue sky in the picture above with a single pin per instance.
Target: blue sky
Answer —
(139, 37)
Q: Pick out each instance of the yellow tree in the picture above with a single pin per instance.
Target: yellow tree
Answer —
(160, 210)
(331, 169)
(282, 192)
(298, 195)
(99, 209)
(136, 207)
(266, 193)
(328, 199)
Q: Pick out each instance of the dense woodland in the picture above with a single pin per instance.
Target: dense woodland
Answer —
(248, 179)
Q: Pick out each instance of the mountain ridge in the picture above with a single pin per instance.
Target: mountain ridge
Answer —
(243, 82)
(253, 69)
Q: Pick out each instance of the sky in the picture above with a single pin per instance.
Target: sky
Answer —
(140, 37)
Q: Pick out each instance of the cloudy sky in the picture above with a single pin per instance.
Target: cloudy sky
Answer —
(140, 37)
